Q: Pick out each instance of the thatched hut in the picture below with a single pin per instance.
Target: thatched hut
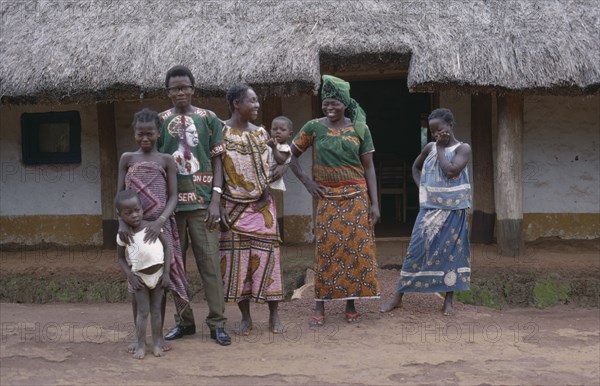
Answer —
(518, 74)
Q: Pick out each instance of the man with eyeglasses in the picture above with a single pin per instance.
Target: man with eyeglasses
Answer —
(198, 196)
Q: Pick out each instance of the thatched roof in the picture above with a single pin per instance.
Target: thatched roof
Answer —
(74, 50)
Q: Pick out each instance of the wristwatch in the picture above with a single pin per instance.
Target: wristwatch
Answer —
(217, 189)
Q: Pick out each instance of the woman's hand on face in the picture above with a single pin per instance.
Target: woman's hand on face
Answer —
(153, 231)
(374, 214)
(213, 215)
(316, 190)
(442, 139)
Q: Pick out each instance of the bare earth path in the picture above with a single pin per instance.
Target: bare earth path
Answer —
(85, 344)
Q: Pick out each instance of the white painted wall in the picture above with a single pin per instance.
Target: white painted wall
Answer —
(48, 189)
(460, 105)
(561, 150)
(561, 154)
(297, 201)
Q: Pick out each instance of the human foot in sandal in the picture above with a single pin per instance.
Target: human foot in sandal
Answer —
(316, 320)
(353, 316)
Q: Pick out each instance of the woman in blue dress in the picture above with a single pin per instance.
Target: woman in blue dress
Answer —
(439, 254)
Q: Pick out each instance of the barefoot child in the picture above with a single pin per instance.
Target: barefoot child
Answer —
(146, 265)
(280, 152)
(153, 175)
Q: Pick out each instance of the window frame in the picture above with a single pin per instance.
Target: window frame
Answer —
(30, 135)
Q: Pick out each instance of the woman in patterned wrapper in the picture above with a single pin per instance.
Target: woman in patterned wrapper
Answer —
(185, 131)
(249, 243)
(439, 255)
(344, 185)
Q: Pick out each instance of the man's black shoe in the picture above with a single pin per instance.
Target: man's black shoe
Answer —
(178, 331)
(220, 336)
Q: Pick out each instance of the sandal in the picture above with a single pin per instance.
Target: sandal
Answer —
(316, 320)
(353, 316)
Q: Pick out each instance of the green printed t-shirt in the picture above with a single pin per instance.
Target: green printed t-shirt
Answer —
(192, 140)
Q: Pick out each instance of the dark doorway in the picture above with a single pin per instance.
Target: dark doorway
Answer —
(394, 118)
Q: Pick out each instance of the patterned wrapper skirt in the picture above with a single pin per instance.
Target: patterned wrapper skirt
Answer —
(250, 262)
(346, 266)
(439, 253)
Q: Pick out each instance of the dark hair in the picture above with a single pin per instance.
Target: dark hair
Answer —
(124, 195)
(443, 114)
(236, 93)
(286, 120)
(146, 115)
(178, 70)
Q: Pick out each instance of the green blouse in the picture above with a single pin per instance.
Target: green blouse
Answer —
(336, 153)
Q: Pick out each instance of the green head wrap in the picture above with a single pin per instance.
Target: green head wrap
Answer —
(339, 89)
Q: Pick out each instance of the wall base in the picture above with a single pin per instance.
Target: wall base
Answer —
(563, 225)
(51, 229)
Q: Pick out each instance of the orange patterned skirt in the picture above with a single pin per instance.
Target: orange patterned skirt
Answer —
(346, 265)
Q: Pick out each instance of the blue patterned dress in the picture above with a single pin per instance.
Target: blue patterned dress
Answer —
(439, 254)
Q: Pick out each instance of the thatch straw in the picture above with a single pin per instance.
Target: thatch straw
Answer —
(69, 51)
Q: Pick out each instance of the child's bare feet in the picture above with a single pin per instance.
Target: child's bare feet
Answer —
(244, 327)
(162, 343)
(140, 351)
(157, 351)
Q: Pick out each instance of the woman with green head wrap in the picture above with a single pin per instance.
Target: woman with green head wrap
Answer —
(345, 188)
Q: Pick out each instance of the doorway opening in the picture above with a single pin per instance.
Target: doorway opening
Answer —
(395, 118)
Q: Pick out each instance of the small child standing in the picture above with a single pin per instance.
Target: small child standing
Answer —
(280, 152)
(146, 265)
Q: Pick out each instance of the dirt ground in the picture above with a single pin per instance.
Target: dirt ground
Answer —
(574, 256)
(67, 343)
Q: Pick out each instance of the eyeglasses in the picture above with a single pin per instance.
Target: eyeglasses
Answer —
(178, 89)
